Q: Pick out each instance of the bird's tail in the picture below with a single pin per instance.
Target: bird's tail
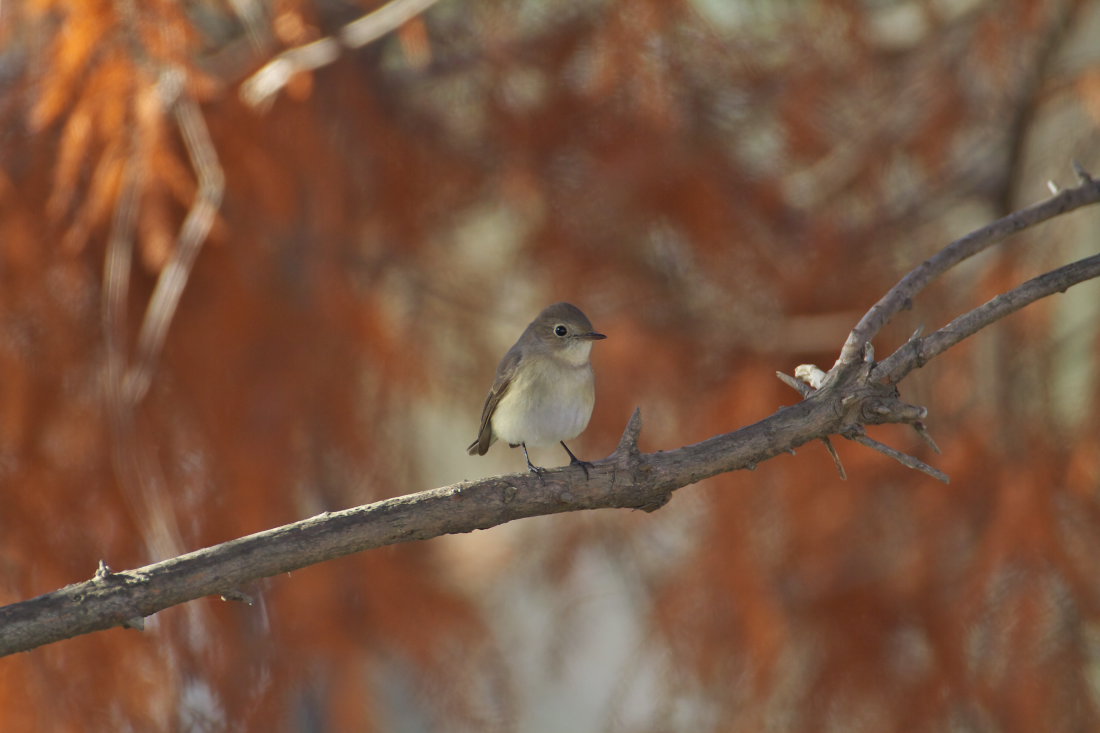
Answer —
(481, 446)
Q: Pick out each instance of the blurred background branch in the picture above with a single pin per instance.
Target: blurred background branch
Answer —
(258, 89)
(723, 187)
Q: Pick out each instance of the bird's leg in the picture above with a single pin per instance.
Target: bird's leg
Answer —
(574, 461)
(531, 466)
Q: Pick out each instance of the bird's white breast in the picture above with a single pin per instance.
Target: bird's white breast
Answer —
(549, 399)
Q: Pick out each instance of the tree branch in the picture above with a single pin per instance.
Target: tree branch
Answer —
(904, 459)
(258, 89)
(857, 392)
(900, 297)
(196, 226)
(919, 351)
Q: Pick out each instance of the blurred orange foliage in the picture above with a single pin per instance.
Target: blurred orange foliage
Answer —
(723, 187)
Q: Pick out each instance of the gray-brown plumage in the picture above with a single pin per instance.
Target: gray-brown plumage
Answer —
(544, 389)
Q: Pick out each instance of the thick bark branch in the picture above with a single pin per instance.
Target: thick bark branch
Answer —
(855, 393)
(625, 479)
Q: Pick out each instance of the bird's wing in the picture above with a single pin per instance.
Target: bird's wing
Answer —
(505, 371)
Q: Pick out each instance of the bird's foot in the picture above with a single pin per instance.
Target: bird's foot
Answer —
(537, 470)
(585, 465)
(574, 461)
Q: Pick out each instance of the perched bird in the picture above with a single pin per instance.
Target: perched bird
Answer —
(544, 388)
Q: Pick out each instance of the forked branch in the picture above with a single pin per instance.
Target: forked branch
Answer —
(901, 295)
(919, 351)
(196, 226)
(856, 369)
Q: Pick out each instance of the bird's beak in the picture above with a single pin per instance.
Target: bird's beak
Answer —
(591, 336)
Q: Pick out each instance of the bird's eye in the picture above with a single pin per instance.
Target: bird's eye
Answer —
(560, 330)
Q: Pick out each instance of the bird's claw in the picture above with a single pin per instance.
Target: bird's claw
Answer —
(585, 465)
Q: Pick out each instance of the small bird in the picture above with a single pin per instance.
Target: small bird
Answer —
(544, 389)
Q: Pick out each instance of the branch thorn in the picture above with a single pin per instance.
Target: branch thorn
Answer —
(836, 458)
(922, 431)
(803, 389)
(903, 458)
(238, 595)
(1081, 172)
(137, 623)
(628, 444)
